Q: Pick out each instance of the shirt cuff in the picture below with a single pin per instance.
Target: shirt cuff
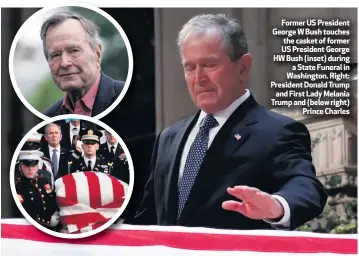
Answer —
(284, 222)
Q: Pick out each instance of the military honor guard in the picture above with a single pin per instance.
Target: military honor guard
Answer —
(35, 192)
(89, 160)
(114, 154)
(45, 168)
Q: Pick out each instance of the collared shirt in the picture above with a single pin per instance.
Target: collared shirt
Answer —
(58, 152)
(221, 118)
(109, 147)
(83, 106)
(72, 130)
(93, 161)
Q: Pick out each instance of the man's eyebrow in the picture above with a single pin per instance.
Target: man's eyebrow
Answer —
(207, 58)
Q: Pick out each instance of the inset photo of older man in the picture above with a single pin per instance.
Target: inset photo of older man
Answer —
(71, 60)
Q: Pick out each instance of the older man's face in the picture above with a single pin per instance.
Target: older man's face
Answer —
(213, 80)
(74, 64)
(53, 136)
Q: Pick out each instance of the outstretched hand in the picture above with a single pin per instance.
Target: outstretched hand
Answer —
(255, 204)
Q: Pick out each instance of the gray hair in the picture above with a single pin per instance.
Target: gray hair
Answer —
(52, 124)
(233, 36)
(90, 28)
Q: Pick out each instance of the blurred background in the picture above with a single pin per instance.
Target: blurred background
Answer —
(158, 96)
(31, 70)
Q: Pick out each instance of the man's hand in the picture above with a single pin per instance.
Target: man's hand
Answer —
(55, 219)
(255, 204)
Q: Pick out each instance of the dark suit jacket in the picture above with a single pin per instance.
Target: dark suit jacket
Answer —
(273, 155)
(63, 153)
(108, 92)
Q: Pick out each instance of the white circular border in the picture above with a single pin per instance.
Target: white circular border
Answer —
(58, 234)
(75, 4)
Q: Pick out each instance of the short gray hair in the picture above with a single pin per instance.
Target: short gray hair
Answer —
(233, 36)
(52, 124)
(90, 28)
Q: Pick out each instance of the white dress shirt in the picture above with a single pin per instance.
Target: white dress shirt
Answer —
(58, 153)
(93, 161)
(221, 118)
(109, 147)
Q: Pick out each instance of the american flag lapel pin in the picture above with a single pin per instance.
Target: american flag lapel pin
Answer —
(237, 136)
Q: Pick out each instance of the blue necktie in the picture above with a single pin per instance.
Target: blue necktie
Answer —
(194, 160)
(54, 162)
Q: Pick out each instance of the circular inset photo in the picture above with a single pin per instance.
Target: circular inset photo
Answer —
(72, 176)
(71, 60)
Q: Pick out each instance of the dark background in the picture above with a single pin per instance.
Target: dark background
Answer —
(133, 120)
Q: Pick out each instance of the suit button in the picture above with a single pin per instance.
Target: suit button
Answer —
(44, 208)
(43, 202)
(42, 195)
(32, 198)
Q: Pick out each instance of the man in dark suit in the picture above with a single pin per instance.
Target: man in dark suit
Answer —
(235, 164)
(73, 51)
(52, 149)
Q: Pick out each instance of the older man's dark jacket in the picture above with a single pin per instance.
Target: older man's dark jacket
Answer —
(107, 93)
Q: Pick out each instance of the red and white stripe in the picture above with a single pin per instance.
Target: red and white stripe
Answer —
(87, 200)
(20, 238)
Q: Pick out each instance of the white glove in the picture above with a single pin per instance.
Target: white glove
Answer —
(55, 219)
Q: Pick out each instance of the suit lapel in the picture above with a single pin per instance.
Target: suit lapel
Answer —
(104, 96)
(171, 180)
(230, 137)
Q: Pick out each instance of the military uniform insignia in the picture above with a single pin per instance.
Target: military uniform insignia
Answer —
(90, 132)
(123, 157)
(47, 188)
(20, 198)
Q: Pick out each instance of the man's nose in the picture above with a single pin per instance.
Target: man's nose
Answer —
(200, 75)
(66, 60)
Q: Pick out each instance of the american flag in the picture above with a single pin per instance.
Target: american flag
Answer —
(20, 238)
(87, 200)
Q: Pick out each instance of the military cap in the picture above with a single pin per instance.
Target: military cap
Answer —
(91, 135)
(30, 157)
(33, 143)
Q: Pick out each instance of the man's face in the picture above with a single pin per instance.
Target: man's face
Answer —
(75, 123)
(89, 148)
(73, 63)
(110, 138)
(213, 80)
(30, 170)
(53, 136)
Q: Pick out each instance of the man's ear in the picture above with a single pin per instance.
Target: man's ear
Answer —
(244, 67)
(99, 55)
